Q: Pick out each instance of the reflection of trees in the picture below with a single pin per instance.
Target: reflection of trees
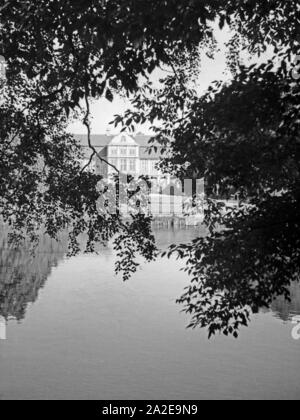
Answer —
(285, 309)
(23, 273)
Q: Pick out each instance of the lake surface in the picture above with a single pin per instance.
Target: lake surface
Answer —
(76, 331)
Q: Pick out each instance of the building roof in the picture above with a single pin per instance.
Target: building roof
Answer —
(144, 153)
(123, 139)
(98, 140)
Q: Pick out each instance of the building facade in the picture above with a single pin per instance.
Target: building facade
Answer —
(128, 154)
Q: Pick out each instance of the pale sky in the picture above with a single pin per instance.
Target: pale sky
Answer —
(103, 111)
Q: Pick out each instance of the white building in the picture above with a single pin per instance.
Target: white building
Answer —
(128, 154)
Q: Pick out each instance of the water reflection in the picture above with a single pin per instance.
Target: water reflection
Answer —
(286, 310)
(89, 336)
(23, 274)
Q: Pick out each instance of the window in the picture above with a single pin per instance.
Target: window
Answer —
(144, 167)
(123, 139)
(132, 151)
(113, 151)
(132, 165)
(100, 168)
(114, 162)
(123, 167)
(123, 151)
(153, 167)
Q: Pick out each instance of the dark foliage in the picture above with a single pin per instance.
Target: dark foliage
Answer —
(243, 135)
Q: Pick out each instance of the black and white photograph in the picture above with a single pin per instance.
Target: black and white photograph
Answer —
(149, 203)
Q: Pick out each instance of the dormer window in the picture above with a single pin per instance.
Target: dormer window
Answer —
(132, 151)
(123, 167)
(114, 151)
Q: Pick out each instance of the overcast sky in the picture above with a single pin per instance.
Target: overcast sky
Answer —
(103, 111)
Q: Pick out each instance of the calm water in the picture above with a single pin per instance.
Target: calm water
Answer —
(75, 331)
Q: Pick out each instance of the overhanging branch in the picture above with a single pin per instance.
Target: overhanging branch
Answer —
(86, 122)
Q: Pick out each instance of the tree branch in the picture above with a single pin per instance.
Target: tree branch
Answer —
(86, 122)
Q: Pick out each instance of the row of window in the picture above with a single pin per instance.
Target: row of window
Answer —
(123, 151)
(124, 165)
(147, 167)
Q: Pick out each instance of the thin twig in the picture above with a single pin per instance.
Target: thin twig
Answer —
(89, 162)
(175, 71)
(86, 122)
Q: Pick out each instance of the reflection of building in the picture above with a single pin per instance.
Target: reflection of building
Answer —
(284, 309)
(23, 274)
(130, 155)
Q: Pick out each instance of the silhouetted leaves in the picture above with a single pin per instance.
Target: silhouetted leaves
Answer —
(242, 136)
